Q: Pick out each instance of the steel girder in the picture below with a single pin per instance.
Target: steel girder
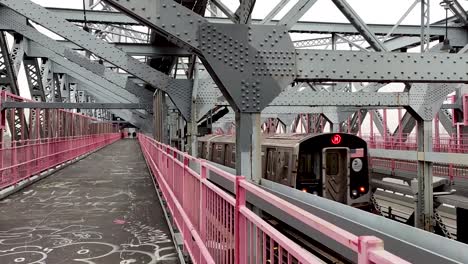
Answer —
(243, 13)
(180, 91)
(445, 119)
(9, 68)
(219, 4)
(55, 105)
(43, 46)
(107, 86)
(359, 24)
(137, 118)
(275, 70)
(103, 95)
(311, 98)
(33, 75)
(57, 87)
(295, 13)
(8, 73)
(276, 9)
(138, 49)
(458, 11)
(47, 80)
(17, 52)
(455, 32)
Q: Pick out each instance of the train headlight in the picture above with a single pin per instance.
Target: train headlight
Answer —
(354, 192)
(356, 165)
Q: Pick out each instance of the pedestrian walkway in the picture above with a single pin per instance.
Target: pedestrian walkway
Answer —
(102, 209)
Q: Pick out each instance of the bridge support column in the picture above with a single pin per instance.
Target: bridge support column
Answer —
(160, 117)
(248, 146)
(425, 205)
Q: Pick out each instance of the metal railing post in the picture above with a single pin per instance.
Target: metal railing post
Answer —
(366, 244)
(202, 215)
(240, 253)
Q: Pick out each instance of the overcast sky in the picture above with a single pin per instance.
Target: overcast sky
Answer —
(371, 11)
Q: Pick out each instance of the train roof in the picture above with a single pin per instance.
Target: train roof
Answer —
(285, 140)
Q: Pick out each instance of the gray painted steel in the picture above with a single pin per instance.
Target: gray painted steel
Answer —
(55, 105)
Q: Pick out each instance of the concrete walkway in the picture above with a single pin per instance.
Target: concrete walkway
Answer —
(102, 209)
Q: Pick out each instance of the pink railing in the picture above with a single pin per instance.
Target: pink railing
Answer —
(452, 171)
(23, 159)
(219, 228)
(445, 143)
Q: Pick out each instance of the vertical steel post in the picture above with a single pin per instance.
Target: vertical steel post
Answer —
(385, 129)
(2, 128)
(437, 132)
(400, 129)
(424, 214)
(240, 230)
(360, 123)
(203, 199)
(248, 146)
(425, 25)
(371, 123)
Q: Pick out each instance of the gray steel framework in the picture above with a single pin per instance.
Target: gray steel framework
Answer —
(299, 27)
(179, 90)
(54, 105)
(253, 62)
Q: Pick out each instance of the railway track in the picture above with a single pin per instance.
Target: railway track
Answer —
(325, 254)
(399, 207)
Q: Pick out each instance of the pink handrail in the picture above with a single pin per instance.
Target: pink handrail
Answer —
(451, 171)
(218, 228)
(444, 143)
(24, 159)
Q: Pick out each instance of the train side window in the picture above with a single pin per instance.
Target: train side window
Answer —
(306, 168)
(200, 149)
(219, 149)
(270, 163)
(285, 168)
(233, 154)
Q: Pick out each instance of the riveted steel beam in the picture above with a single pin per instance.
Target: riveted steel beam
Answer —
(179, 91)
(76, 15)
(359, 24)
(8, 77)
(107, 86)
(219, 4)
(380, 67)
(243, 13)
(311, 98)
(55, 105)
(296, 12)
(138, 49)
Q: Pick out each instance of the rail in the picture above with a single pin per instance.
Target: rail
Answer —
(23, 159)
(452, 171)
(442, 143)
(219, 228)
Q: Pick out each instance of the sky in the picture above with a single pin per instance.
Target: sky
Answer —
(375, 11)
(371, 11)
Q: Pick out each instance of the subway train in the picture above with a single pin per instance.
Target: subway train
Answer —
(331, 165)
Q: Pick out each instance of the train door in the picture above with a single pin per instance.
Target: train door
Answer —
(335, 173)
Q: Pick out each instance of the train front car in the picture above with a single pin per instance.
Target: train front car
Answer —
(335, 166)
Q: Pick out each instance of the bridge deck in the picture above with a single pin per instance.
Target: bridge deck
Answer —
(102, 209)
